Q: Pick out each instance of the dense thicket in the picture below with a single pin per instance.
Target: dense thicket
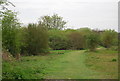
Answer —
(10, 35)
(92, 41)
(30, 40)
(35, 39)
(58, 40)
(76, 40)
(109, 38)
(83, 38)
(48, 34)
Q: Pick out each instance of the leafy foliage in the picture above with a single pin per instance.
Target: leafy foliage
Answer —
(53, 22)
(92, 41)
(10, 36)
(21, 70)
(76, 40)
(3, 7)
(58, 40)
(109, 38)
(36, 39)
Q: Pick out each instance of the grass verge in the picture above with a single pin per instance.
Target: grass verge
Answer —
(105, 61)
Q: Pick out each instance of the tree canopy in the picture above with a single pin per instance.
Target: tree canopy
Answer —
(53, 22)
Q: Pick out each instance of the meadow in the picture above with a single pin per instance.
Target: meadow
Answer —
(72, 64)
(49, 49)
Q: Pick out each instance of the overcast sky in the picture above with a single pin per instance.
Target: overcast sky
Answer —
(97, 14)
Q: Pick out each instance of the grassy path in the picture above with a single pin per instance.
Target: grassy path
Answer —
(71, 66)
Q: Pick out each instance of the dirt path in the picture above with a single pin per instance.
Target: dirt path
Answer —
(71, 66)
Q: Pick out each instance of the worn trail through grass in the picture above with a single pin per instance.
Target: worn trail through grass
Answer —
(71, 66)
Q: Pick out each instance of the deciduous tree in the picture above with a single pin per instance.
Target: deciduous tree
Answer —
(53, 22)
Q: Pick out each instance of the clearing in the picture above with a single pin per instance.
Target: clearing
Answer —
(73, 64)
(76, 65)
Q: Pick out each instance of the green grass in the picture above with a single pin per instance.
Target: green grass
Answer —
(105, 61)
(30, 67)
(72, 64)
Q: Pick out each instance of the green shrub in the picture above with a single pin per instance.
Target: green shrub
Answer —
(58, 40)
(109, 38)
(14, 71)
(92, 41)
(10, 33)
(114, 60)
(35, 40)
(76, 40)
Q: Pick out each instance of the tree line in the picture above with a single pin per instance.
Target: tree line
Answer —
(49, 33)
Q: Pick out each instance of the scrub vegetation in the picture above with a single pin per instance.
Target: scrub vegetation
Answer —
(49, 50)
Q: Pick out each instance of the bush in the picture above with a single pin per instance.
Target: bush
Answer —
(14, 71)
(58, 40)
(35, 40)
(10, 33)
(76, 40)
(109, 38)
(114, 60)
(92, 41)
